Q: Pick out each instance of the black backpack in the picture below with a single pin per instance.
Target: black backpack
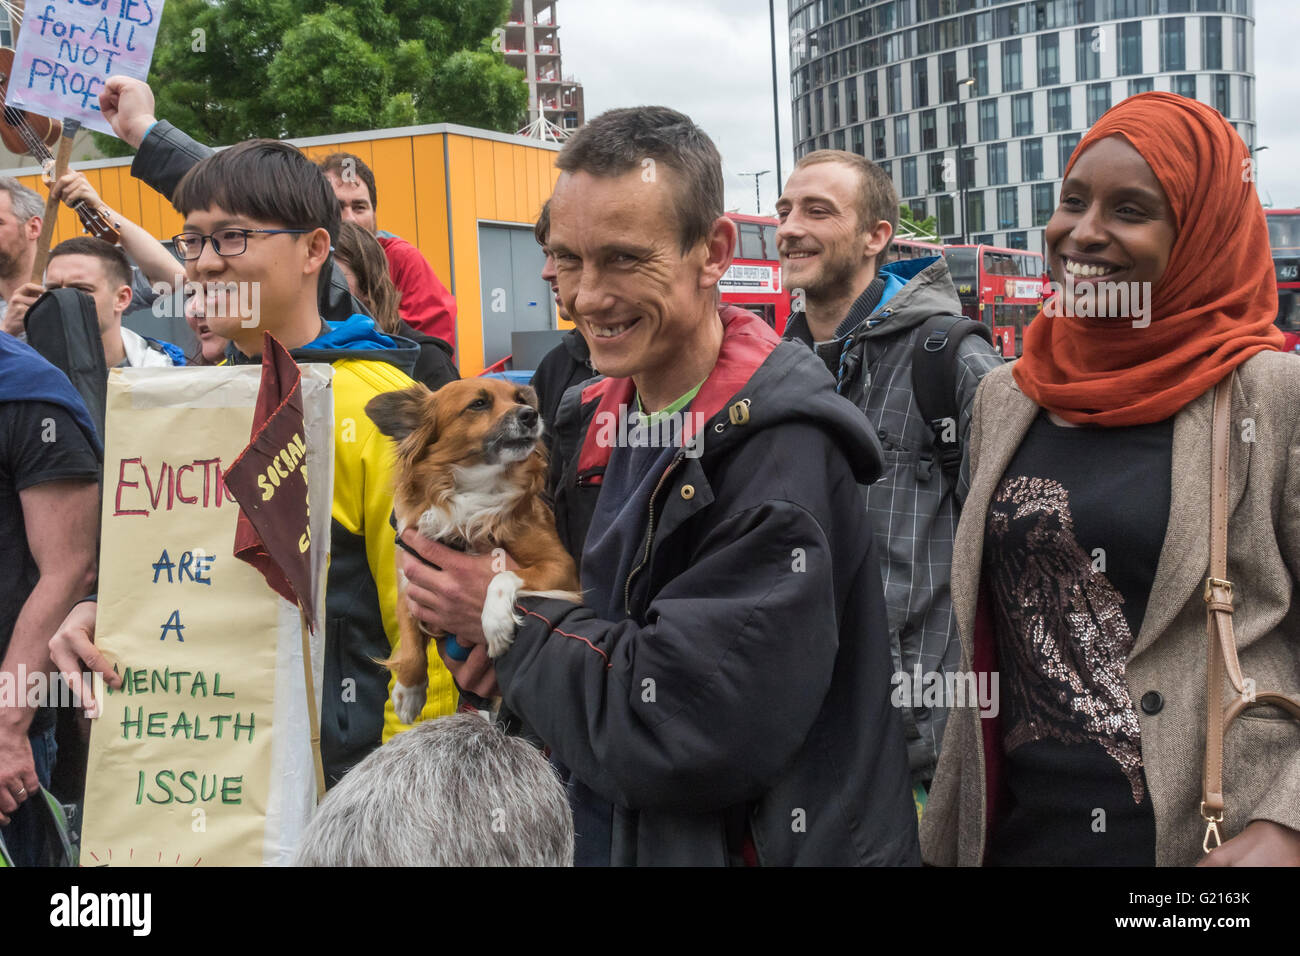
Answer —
(63, 327)
(934, 384)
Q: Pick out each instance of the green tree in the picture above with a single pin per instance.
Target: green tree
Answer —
(928, 225)
(227, 70)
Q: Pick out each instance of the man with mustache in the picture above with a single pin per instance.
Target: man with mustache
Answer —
(865, 319)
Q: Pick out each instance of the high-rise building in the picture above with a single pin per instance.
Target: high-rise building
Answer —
(532, 43)
(986, 99)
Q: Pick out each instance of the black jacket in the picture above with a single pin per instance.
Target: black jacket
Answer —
(434, 366)
(746, 698)
(564, 366)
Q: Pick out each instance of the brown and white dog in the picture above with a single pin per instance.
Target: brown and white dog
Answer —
(470, 473)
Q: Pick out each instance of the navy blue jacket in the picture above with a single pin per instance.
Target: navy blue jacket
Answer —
(743, 703)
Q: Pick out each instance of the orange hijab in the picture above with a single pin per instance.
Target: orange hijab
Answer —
(1213, 308)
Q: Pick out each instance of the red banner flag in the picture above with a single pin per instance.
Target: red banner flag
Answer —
(269, 480)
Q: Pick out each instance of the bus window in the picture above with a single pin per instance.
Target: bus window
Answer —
(1284, 231)
(961, 266)
(751, 241)
(769, 242)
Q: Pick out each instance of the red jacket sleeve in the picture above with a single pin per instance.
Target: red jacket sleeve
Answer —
(426, 304)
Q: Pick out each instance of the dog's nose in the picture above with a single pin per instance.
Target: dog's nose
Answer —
(528, 416)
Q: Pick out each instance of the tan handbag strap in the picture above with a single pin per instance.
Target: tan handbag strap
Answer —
(1221, 644)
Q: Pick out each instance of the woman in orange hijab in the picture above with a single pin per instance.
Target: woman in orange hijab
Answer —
(1083, 547)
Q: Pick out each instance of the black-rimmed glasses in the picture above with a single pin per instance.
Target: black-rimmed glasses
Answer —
(225, 242)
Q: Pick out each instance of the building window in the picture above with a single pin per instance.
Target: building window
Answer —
(1098, 101)
(1008, 208)
(887, 167)
(1011, 79)
(901, 140)
(1065, 145)
(1017, 240)
(982, 239)
(979, 69)
(873, 94)
(909, 177)
(1239, 44)
(835, 105)
(919, 211)
(956, 125)
(1173, 46)
(838, 139)
(894, 88)
(818, 120)
(1212, 43)
(1087, 54)
(851, 95)
(1022, 114)
(929, 130)
(859, 141)
(1043, 204)
(1130, 48)
(974, 211)
(1185, 85)
(1031, 159)
(967, 168)
(948, 77)
(878, 149)
(1058, 109)
(935, 165)
(1049, 59)
(945, 224)
(1142, 84)
(997, 164)
(988, 120)
(920, 84)
(1222, 101)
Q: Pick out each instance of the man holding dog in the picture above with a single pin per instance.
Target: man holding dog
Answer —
(723, 695)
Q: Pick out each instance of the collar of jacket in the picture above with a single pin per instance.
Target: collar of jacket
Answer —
(747, 341)
(356, 339)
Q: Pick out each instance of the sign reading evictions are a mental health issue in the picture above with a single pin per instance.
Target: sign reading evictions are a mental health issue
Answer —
(203, 756)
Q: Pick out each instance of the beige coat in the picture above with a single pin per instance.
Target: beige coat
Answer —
(1262, 748)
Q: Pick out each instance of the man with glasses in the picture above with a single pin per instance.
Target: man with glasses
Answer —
(260, 220)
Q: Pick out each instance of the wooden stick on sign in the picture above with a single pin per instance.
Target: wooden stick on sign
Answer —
(61, 160)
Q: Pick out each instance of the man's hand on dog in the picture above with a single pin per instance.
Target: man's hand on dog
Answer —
(449, 596)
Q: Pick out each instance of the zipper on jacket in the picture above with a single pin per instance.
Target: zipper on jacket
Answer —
(649, 534)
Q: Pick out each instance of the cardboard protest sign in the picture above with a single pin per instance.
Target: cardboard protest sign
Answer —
(203, 756)
(67, 51)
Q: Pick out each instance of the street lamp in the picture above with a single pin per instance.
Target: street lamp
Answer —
(962, 184)
(1254, 172)
(758, 205)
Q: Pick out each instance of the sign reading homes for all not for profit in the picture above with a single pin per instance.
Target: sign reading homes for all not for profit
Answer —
(203, 756)
(68, 49)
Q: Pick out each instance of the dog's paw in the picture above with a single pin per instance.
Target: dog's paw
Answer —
(408, 701)
(499, 620)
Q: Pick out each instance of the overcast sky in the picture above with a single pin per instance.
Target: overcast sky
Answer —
(712, 59)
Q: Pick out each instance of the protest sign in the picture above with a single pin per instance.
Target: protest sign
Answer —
(66, 52)
(203, 756)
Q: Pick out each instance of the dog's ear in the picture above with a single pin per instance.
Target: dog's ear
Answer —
(399, 413)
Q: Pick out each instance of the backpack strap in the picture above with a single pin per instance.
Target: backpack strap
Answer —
(934, 384)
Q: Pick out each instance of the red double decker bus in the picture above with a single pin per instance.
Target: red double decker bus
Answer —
(1003, 288)
(911, 249)
(1284, 240)
(754, 280)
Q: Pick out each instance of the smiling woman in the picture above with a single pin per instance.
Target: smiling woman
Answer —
(1083, 552)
